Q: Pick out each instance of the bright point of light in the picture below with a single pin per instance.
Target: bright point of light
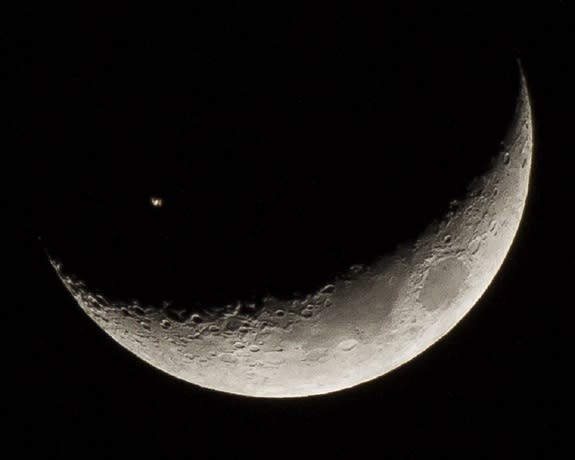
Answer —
(156, 202)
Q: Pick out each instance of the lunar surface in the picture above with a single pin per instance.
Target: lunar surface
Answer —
(361, 325)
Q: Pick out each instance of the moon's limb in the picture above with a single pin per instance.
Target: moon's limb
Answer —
(362, 325)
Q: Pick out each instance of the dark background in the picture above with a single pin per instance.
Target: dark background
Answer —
(287, 144)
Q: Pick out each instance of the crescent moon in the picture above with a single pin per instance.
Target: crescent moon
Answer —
(357, 328)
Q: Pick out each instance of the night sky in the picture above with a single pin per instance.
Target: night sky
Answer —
(286, 145)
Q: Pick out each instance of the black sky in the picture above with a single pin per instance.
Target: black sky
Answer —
(346, 130)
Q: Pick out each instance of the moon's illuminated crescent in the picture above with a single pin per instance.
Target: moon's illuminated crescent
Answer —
(355, 329)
